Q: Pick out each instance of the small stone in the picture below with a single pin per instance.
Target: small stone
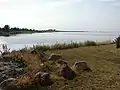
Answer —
(67, 72)
(33, 52)
(54, 57)
(81, 66)
(6, 82)
(61, 62)
(44, 78)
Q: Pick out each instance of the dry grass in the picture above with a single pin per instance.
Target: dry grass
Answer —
(104, 61)
(61, 46)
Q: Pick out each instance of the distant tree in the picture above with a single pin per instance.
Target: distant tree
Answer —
(6, 27)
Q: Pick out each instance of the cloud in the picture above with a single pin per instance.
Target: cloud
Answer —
(111, 2)
(3, 1)
(57, 3)
(116, 4)
(108, 0)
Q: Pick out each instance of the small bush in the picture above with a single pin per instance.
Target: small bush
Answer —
(117, 41)
(90, 43)
(41, 48)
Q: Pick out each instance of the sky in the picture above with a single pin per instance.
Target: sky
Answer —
(61, 14)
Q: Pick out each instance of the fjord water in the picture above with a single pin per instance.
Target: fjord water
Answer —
(22, 40)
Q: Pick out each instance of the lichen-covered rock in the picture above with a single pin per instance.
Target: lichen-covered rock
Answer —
(81, 66)
(67, 72)
(54, 57)
(43, 78)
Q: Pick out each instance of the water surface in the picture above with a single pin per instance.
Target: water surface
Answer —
(20, 41)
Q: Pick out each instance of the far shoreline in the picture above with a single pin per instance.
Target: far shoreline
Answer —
(8, 34)
(7, 31)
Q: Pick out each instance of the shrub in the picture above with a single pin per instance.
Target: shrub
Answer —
(117, 40)
(90, 43)
(41, 48)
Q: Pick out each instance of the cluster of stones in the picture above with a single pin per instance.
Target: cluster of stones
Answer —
(9, 70)
(44, 79)
(67, 72)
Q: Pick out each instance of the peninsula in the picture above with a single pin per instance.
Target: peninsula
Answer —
(9, 31)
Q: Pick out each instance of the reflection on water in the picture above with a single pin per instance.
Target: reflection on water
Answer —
(19, 41)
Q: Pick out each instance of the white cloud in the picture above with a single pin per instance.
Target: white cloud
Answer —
(108, 0)
(58, 13)
(3, 1)
(116, 4)
(111, 2)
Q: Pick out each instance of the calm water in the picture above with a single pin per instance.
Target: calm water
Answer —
(20, 41)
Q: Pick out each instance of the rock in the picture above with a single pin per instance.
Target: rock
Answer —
(38, 75)
(61, 62)
(6, 82)
(19, 70)
(10, 69)
(43, 78)
(54, 57)
(5, 53)
(67, 72)
(33, 52)
(41, 54)
(81, 66)
(12, 86)
(6, 58)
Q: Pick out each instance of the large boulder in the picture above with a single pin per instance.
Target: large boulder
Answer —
(67, 72)
(54, 57)
(43, 78)
(81, 66)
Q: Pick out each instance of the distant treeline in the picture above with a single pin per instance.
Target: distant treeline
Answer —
(8, 31)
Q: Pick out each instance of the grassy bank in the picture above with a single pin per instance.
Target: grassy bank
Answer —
(103, 60)
(60, 46)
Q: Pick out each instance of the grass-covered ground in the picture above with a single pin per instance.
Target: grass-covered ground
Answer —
(104, 61)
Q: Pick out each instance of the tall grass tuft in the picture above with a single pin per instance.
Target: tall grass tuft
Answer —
(41, 48)
(65, 45)
(5, 49)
